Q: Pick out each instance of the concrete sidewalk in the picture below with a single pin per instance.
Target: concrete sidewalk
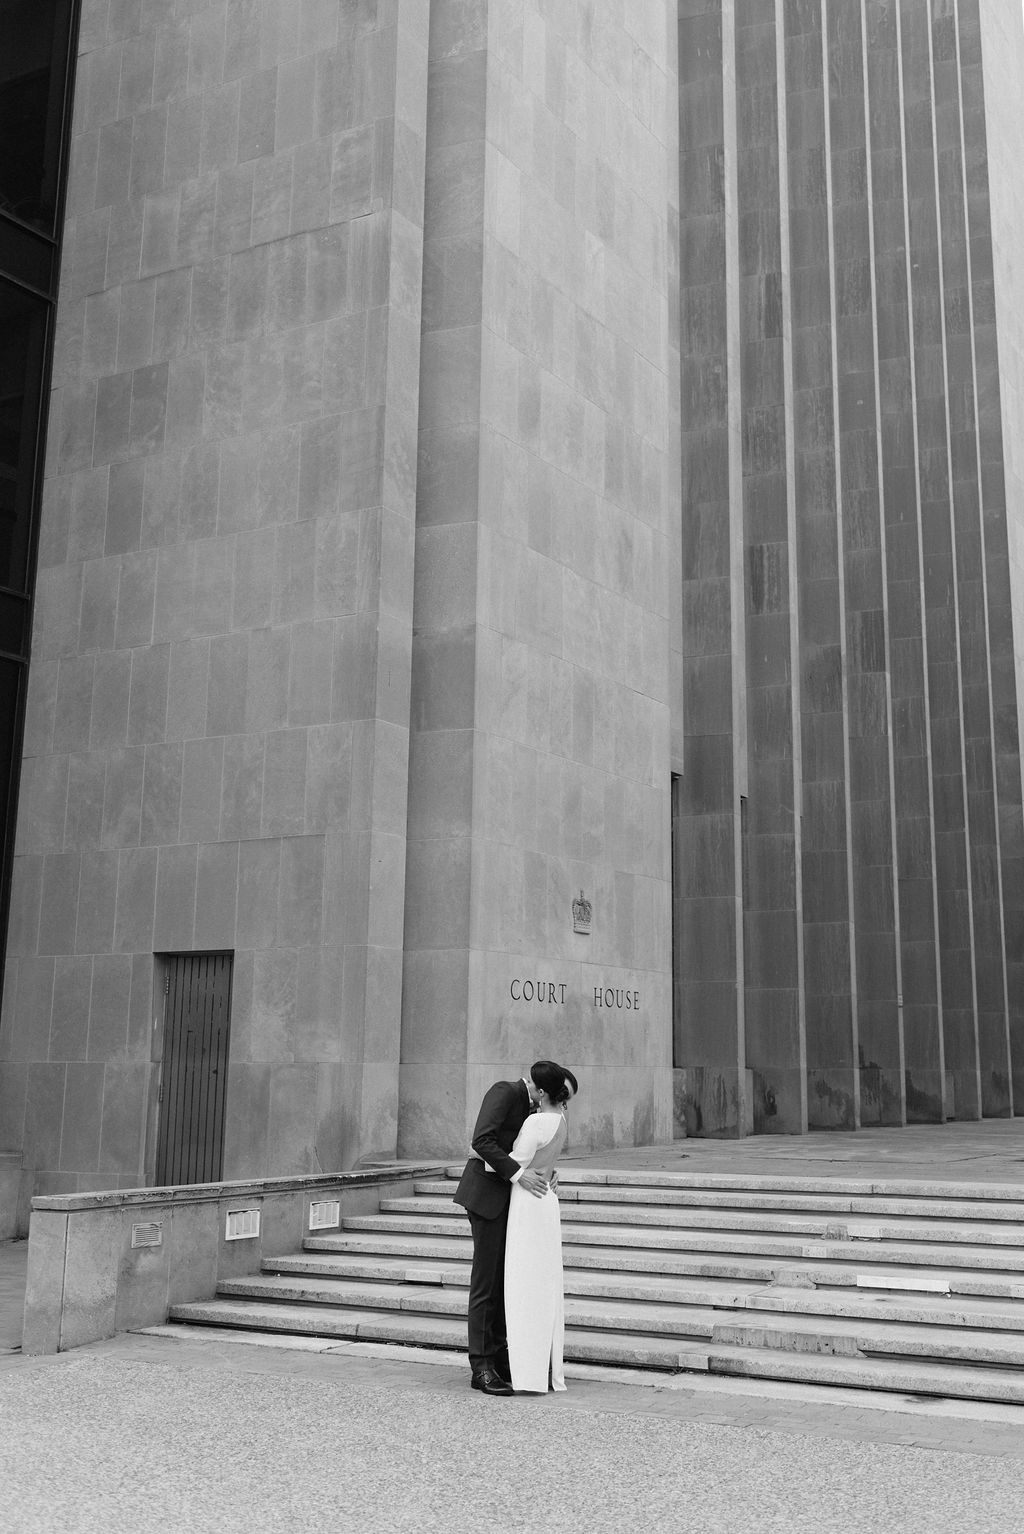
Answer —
(225, 1436)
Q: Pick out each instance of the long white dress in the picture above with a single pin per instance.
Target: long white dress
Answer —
(534, 1303)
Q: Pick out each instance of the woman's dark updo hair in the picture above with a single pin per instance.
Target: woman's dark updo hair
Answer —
(553, 1080)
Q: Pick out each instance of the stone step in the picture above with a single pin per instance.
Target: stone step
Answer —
(728, 1265)
(383, 1269)
(366, 1325)
(633, 1214)
(758, 1327)
(847, 1337)
(840, 1227)
(756, 1199)
(911, 1308)
(905, 1375)
(902, 1188)
(662, 1238)
(355, 1294)
(440, 1262)
(918, 1377)
(426, 1331)
(662, 1320)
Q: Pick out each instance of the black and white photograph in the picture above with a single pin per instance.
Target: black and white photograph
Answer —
(511, 791)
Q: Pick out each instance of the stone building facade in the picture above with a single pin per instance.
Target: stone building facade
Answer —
(851, 793)
(527, 567)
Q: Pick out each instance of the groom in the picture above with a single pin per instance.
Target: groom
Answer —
(484, 1192)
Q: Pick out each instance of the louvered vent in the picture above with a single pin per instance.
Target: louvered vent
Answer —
(325, 1214)
(151, 1233)
(242, 1224)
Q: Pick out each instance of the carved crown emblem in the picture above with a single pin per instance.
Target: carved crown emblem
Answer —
(582, 913)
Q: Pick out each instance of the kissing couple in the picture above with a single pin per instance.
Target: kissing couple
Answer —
(516, 1309)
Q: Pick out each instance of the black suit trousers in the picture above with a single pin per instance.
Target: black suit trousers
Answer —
(488, 1344)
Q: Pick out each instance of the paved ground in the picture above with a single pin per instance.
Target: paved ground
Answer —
(147, 1433)
(156, 1435)
(989, 1152)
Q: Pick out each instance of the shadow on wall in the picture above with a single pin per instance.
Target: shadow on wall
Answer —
(10, 1182)
(718, 1104)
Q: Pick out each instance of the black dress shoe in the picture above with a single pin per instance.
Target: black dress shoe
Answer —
(491, 1384)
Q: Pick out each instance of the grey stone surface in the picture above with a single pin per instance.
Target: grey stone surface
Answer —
(234, 411)
(560, 399)
(1001, 485)
(231, 1435)
(540, 685)
(852, 330)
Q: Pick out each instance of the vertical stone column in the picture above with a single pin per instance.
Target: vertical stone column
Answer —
(876, 957)
(833, 1085)
(971, 594)
(771, 878)
(710, 994)
(991, 55)
(540, 753)
(941, 593)
(913, 807)
(442, 797)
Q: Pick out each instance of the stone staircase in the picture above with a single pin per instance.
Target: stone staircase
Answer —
(908, 1286)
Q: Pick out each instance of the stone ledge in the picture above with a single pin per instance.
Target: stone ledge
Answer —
(212, 1192)
(88, 1279)
(907, 1188)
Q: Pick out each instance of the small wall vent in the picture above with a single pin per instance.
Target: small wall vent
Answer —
(151, 1233)
(242, 1224)
(325, 1214)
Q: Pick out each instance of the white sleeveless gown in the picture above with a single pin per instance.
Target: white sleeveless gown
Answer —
(534, 1304)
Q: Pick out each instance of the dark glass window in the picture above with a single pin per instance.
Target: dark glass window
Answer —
(22, 350)
(33, 73)
(12, 677)
(37, 40)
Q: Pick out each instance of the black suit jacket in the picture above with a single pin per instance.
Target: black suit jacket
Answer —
(503, 1112)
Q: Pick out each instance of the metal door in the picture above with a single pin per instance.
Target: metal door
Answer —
(194, 1076)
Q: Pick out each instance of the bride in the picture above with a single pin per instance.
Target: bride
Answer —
(533, 1253)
